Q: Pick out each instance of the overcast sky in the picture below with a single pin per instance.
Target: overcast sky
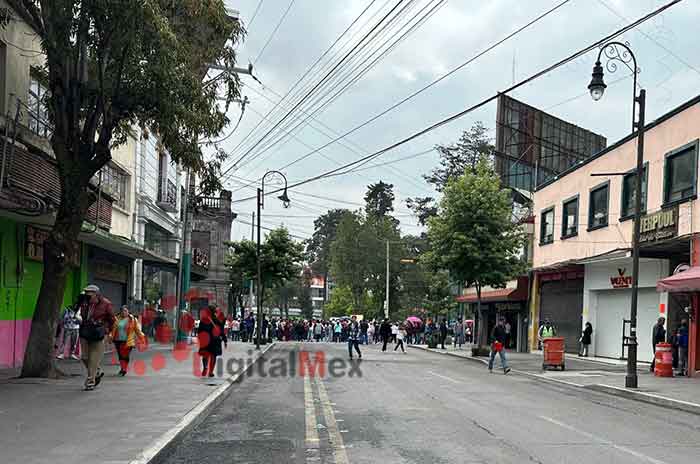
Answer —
(666, 50)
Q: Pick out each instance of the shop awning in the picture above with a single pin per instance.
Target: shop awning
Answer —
(519, 293)
(683, 282)
(123, 247)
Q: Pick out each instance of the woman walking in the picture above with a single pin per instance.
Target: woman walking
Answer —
(210, 336)
(400, 335)
(586, 339)
(126, 332)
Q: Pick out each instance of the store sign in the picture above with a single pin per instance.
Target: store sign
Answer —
(659, 226)
(621, 280)
(510, 306)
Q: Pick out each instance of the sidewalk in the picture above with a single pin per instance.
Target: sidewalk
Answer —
(54, 421)
(599, 374)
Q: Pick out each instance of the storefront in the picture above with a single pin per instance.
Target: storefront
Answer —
(508, 303)
(110, 272)
(560, 296)
(607, 301)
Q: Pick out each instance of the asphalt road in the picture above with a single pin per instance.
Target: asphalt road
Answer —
(426, 408)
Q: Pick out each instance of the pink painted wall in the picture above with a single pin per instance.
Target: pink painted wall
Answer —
(13, 339)
(669, 135)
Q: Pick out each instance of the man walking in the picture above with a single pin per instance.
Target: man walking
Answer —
(683, 347)
(385, 332)
(498, 345)
(458, 330)
(658, 335)
(443, 332)
(98, 318)
(364, 327)
(354, 337)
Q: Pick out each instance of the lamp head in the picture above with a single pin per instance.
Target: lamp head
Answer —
(597, 85)
(284, 198)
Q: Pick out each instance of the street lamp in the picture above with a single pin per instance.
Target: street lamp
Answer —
(618, 52)
(284, 198)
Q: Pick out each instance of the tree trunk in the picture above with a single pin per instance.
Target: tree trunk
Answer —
(61, 243)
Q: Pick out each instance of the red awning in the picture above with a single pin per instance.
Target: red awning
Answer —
(503, 294)
(686, 281)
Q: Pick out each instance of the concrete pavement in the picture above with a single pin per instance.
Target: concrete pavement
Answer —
(420, 408)
(54, 421)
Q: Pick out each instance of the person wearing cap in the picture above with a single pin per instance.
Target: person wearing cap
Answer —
(98, 320)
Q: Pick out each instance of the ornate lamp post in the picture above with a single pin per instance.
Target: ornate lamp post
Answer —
(261, 204)
(618, 52)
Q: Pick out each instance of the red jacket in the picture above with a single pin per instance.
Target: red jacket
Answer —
(99, 312)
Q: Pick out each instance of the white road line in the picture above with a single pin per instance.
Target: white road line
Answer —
(624, 449)
(310, 411)
(336, 440)
(443, 377)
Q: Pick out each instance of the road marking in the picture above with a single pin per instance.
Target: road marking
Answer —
(310, 411)
(334, 437)
(443, 377)
(624, 449)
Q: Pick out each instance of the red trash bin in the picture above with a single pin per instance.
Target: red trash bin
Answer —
(553, 353)
(663, 360)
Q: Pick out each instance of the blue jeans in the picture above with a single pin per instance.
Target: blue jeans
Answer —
(502, 353)
(363, 339)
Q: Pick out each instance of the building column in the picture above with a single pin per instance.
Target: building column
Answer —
(534, 311)
(693, 335)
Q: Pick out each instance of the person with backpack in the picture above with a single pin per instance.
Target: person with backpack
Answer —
(97, 321)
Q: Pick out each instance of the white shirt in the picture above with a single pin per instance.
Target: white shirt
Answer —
(394, 329)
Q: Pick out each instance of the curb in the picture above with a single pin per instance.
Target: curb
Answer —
(164, 444)
(649, 398)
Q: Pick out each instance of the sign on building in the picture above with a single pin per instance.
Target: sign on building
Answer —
(658, 226)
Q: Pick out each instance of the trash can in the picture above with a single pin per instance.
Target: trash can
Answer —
(433, 340)
(553, 353)
(663, 360)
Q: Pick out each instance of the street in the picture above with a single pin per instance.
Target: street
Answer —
(425, 408)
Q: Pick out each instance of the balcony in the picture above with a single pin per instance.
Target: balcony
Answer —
(167, 196)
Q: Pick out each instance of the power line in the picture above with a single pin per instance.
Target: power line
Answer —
(482, 103)
(441, 78)
(255, 14)
(274, 31)
(310, 92)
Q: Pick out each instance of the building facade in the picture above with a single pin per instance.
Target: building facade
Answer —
(583, 233)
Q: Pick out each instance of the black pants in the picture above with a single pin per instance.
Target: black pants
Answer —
(385, 339)
(356, 344)
(442, 340)
(399, 343)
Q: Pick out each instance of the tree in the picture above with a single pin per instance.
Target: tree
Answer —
(318, 247)
(280, 258)
(340, 304)
(379, 200)
(110, 65)
(349, 255)
(473, 146)
(473, 237)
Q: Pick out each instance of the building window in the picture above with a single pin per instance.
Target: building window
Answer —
(115, 183)
(547, 226)
(680, 176)
(569, 218)
(598, 207)
(38, 116)
(629, 190)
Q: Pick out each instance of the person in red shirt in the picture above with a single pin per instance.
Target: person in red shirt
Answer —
(97, 321)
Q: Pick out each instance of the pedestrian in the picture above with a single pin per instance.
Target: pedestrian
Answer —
(586, 337)
(468, 333)
(318, 331)
(399, 338)
(546, 331)
(211, 335)
(443, 332)
(683, 347)
(336, 331)
(658, 335)
(364, 327)
(385, 333)
(354, 337)
(71, 325)
(97, 321)
(370, 333)
(498, 345)
(508, 334)
(235, 330)
(126, 333)
(458, 330)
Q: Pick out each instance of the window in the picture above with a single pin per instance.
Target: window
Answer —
(569, 218)
(680, 176)
(547, 226)
(598, 207)
(115, 184)
(38, 116)
(629, 190)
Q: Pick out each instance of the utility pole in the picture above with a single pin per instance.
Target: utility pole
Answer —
(184, 267)
(250, 295)
(386, 301)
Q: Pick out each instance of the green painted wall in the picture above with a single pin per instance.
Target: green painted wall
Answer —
(21, 278)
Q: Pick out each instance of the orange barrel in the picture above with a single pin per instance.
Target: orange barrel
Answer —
(663, 360)
(554, 351)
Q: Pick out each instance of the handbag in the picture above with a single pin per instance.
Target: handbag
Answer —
(497, 347)
(91, 330)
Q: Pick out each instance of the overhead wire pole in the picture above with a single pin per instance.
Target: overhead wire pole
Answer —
(386, 302)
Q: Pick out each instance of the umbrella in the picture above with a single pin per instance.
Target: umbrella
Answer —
(414, 320)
